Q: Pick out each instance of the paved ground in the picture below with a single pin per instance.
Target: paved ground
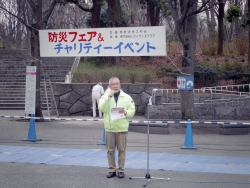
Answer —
(87, 135)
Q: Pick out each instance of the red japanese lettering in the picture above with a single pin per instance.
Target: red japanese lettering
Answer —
(62, 36)
(52, 36)
(73, 33)
(82, 37)
(92, 34)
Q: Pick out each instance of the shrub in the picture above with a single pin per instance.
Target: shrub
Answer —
(174, 48)
(229, 48)
(241, 44)
(227, 66)
(239, 67)
(205, 75)
(132, 77)
(100, 61)
(208, 46)
(146, 78)
(212, 65)
(89, 73)
(163, 71)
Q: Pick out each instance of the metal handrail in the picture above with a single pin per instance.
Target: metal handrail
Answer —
(228, 87)
(210, 91)
(204, 90)
(69, 76)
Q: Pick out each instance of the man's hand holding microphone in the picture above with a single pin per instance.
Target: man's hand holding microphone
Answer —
(111, 94)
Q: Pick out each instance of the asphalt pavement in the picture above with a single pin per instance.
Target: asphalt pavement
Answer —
(87, 135)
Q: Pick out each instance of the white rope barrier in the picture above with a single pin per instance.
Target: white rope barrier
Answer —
(132, 121)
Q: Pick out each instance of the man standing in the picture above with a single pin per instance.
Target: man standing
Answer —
(97, 92)
(116, 127)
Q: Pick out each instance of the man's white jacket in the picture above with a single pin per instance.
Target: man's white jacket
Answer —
(97, 91)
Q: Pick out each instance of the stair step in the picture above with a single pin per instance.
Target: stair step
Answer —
(13, 77)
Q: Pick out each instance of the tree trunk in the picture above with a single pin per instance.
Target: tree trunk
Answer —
(36, 55)
(188, 60)
(220, 28)
(133, 8)
(230, 33)
(96, 10)
(35, 52)
(114, 11)
(18, 27)
(248, 62)
(154, 14)
(212, 23)
(28, 41)
(236, 22)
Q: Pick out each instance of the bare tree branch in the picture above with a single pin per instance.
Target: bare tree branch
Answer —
(21, 20)
(203, 8)
(32, 5)
(82, 8)
(49, 11)
(185, 11)
(173, 8)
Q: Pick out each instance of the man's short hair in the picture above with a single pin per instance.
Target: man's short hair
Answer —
(113, 78)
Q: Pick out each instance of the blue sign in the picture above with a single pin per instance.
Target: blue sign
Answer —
(185, 82)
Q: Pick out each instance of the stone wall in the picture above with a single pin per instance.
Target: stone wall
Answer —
(206, 107)
(75, 99)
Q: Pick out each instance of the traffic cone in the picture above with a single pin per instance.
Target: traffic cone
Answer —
(32, 130)
(189, 144)
(103, 138)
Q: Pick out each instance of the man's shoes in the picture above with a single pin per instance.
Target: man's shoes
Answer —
(111, 174)
(120, 174)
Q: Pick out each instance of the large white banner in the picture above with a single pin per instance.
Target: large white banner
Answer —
(120, 41)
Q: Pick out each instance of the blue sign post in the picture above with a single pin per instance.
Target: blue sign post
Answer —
(185, 82)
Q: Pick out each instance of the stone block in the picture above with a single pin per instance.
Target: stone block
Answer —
(233, 131)
(124, 87)
(79, 106)
(82, 89)
(64, 105)
(87, 98)
(144, 98)
(70, 97)
(176, 115)
(141, 109)
(78, 114)
(210, 111)
(158, 100)
(224, 111)
(87, 113)
(63, 112)
(136, 99)
(136, 88)
(242, 112)
(61, 88)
